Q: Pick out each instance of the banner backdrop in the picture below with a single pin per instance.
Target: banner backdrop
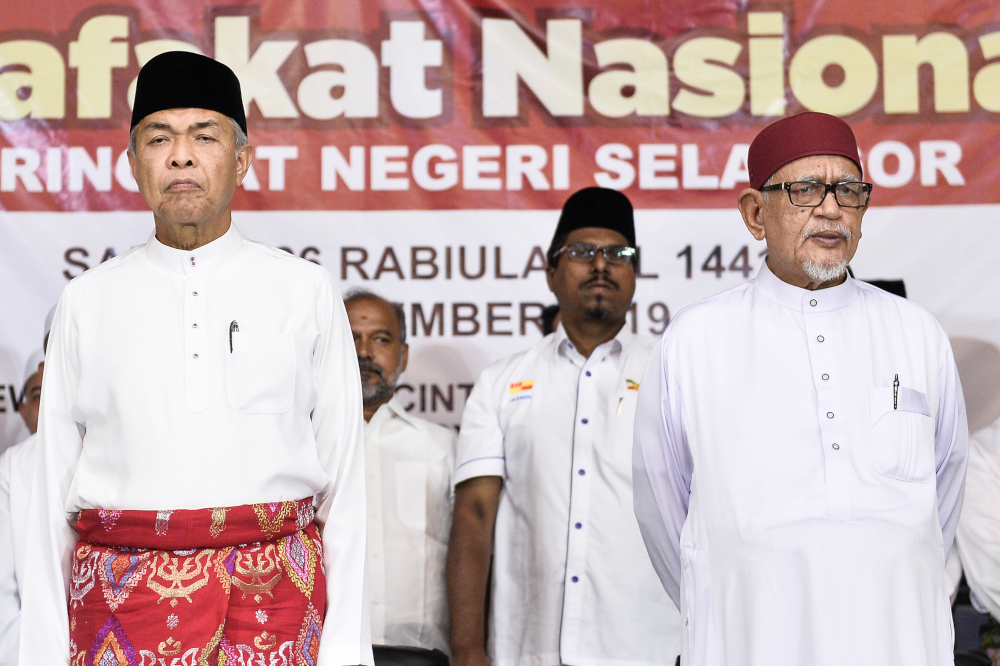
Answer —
(422, 150)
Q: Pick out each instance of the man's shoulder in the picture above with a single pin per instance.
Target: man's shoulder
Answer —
(434, 431)
(694, 317)
(16, 457)
(282, 260)
(881, 300)
(105, 269)
(514, 364)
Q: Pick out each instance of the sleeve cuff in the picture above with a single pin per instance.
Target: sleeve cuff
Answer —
(470, 469)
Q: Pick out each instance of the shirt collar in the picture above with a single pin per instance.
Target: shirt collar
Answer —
(387, 411)
(803, 300)
(613, 347)
(198, 259)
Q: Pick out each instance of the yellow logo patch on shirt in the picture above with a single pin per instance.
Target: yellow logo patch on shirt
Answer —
(518, 387)
(631, 385)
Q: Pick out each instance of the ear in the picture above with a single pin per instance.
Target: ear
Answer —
(751, 203)
(22, 409)
(550, 274)
(405, 357)
(131, 164)
(243, 161)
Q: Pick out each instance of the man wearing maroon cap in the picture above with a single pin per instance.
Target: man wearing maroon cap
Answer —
(800, 440)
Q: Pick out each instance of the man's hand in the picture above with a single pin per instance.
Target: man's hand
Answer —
(469, 552)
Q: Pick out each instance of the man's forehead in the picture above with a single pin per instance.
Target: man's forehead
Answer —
(183, 119)
(372, 313)
(819, 166)
(596, 235)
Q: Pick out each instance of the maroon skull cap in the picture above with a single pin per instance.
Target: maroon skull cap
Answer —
(798, 136)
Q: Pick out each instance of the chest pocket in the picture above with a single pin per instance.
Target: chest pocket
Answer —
(902, 439)
(260, 373)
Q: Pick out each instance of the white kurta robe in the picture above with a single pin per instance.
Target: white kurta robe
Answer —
(17, 466)
(978, 535)
(220, 376)
(797, 510)
(408, 462)
(572, 583)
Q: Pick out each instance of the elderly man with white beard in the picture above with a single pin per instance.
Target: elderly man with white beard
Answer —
(801, 439)
(408, 462)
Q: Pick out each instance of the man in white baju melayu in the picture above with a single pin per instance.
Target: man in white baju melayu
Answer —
(201, 393)
(800, 440)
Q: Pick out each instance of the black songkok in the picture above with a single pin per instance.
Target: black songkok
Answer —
(182, 80)
(594, 207)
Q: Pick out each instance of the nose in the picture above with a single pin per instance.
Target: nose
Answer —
(181, 154)
(829, 207)
(361, 347)
(599, 263)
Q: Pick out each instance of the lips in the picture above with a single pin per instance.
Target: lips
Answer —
(599, 283)
(183, 184)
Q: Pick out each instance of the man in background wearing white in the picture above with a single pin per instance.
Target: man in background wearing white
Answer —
(408, 462)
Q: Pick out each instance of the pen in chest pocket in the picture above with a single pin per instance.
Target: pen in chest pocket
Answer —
(233, 328)
(895, 392)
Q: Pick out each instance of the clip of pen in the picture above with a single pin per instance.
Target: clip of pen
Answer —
(233, 328)
(895, 392)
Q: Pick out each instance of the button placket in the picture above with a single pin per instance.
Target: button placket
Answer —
(196, 358)
(588, 383)
(823, 355)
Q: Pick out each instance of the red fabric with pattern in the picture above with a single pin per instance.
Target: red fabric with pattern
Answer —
(244, 585)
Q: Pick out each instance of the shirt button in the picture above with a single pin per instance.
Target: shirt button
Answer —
(581, 472)
(813, 302)
(194, 293)
(194, 356)
(588, 373)
(192, 261)
(575, 579)
(820, 338)
(825, 376)
(578, 525)
(194, 325)
(836, 447)
(829, 415)
(583, 420)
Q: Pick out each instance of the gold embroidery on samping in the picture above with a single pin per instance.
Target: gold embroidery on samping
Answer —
(209, 649)
(260, 572)
(169, 647)
(169, 571)
(220, 569)
(265, 641)
(218, 525)
(271, 515)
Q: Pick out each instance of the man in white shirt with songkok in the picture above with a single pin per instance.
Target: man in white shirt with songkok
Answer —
(543, 475)
(408, 462)
(801, 439)
(199, 494)
(17, 465)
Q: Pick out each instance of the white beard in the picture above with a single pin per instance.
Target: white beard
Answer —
(824, 273)
(830, 270)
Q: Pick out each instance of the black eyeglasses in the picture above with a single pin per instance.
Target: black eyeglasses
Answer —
(619, 255)
(810, 195)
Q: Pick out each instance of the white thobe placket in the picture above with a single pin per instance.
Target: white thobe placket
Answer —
(826, 343)
(195, 335)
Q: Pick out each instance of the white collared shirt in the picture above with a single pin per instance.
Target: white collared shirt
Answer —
(408, 462)
(572, 583)
(220, 376)
(796, 506)
(17, 465)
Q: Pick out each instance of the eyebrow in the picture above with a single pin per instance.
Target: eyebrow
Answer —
(169, 128)
(843, 178)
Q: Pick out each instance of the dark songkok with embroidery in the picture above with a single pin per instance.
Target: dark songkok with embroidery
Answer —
(799, 136)
(594, 207)
(181, 80)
